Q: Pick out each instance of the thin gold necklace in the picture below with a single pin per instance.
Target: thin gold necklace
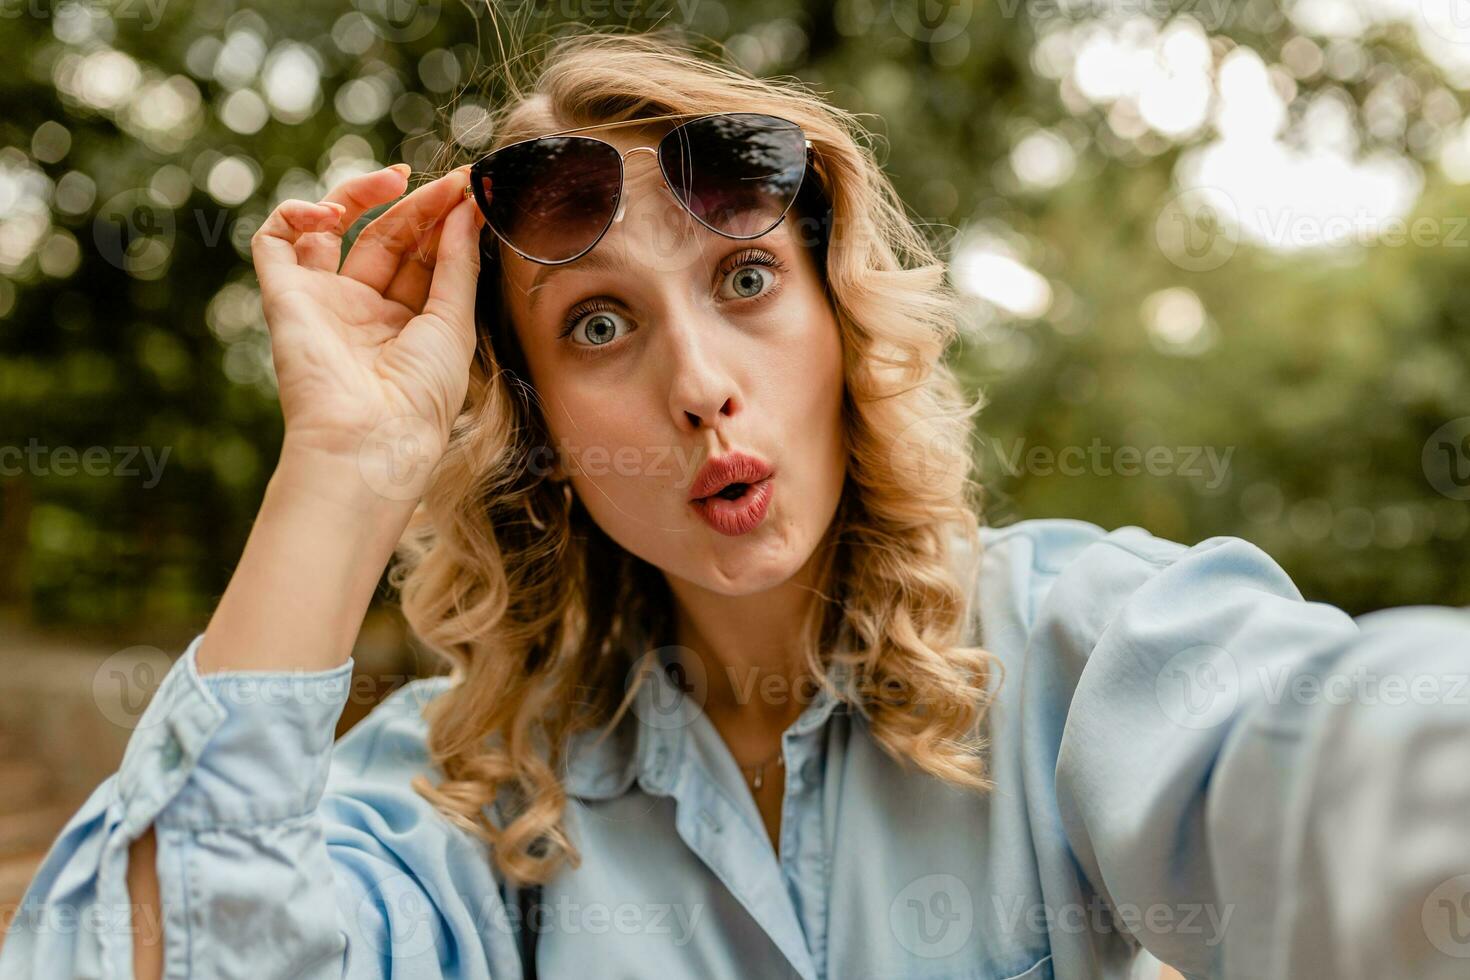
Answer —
(759, 769)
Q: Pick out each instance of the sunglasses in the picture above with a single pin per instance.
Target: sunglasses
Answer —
(552, 198)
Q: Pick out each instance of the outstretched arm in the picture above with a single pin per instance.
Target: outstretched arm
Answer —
(1293, 778)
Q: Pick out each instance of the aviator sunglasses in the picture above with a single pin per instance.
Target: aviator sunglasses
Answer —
(552, 198)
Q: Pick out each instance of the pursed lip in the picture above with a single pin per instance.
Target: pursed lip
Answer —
(720, 471)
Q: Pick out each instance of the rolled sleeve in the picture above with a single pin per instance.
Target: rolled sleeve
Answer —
(281, 852)
(233, 746)
(230, 768)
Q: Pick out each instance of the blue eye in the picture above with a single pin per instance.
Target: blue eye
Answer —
(749, 274)
(597, 322)
(748, 280)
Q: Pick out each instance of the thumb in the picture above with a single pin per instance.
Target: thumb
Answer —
(457, 272)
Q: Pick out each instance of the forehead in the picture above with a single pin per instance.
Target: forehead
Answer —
(654, 233)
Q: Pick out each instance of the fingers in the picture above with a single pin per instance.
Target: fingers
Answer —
(298, 233)
(284, 239)
(319, 245)
(410, 224)
(358, 194)
(410, 285)
(451, 300)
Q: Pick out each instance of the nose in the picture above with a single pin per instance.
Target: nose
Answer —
(702, 392)
(697, 421)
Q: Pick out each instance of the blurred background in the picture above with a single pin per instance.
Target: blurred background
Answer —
(1215, 257)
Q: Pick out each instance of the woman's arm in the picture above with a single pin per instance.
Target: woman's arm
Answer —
(372, 356)
(309, 569)
(372, 361)
(278, 852)
(1259, 785)
(297, 598)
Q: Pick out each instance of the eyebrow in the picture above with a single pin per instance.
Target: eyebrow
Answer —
(593, 261)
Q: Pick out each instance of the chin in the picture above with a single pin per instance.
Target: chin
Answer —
(732, 567)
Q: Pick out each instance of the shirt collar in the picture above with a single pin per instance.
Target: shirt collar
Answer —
(651, 739)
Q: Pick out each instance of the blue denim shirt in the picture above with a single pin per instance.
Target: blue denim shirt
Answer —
(1189, 759)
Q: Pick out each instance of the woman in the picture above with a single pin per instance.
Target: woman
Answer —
(737, 687)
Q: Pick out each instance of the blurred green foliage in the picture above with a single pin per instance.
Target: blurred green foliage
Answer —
(141, 143)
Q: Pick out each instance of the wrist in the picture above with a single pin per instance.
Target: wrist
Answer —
(324, 497)
(381, 476)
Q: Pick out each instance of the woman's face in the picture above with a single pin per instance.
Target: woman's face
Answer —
(668, 344)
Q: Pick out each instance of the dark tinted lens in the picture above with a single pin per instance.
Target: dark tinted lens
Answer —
(553, 197)
(737, 172)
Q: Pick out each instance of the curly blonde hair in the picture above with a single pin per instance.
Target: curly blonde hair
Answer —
(493, 571)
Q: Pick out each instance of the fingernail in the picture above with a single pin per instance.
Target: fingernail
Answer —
(402, 168)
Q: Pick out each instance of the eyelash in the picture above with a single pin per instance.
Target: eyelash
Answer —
(749, 256)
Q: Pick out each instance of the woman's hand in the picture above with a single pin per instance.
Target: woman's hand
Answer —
(380, 348)
(372, 361)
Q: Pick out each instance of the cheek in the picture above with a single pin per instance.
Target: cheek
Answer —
(811, 368)
(618, 457)
(816, 419)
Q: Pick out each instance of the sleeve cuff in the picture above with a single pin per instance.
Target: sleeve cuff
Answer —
(232, 747)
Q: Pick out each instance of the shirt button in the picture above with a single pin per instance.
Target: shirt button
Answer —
(809, 772)
(170, 752)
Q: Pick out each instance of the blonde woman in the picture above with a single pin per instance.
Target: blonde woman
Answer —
(649, 401)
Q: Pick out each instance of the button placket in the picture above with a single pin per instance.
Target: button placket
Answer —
(801, 833)
(799, 759)
(708, 821)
